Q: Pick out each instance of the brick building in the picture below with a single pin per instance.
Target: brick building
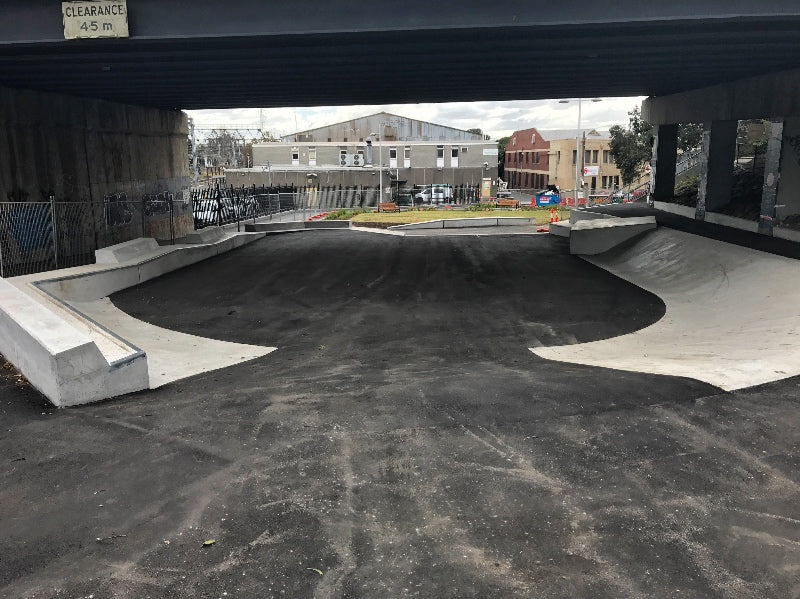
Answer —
(537, 158)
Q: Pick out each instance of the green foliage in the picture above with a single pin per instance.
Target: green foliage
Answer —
(345, 213)
(480, 207)
(689, 136)
(501, 156)
(630, 148)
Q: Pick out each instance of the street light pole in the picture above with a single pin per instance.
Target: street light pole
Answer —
(380, 168)
(578, 152)
(578, 135)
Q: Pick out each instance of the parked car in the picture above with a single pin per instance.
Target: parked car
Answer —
(435, 194)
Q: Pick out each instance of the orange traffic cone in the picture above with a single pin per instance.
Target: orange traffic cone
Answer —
(552, 216)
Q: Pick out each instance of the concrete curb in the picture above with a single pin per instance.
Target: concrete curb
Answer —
(296, 226)
(465, 223)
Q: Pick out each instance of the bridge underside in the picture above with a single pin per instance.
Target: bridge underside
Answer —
(233, 54)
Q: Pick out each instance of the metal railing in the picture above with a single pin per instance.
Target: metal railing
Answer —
(39, 236)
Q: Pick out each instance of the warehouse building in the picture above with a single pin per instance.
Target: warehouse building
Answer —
(398, 151)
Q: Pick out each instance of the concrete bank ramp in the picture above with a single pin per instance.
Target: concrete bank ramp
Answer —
(732, 317)
(171, 355)
(61, 331)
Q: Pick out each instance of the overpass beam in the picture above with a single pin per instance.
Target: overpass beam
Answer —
(665, 155)
(716, 166)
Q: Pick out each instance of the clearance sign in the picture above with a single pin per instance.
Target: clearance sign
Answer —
(100, 18)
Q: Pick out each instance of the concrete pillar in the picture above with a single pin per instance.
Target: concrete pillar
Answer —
(772, 175)
(665, 155)
(716, 166)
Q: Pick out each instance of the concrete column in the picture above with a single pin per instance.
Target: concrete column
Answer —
(716, 166)
(665, 155)
(772, 175)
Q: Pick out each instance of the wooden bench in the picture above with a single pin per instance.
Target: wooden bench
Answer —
(507, 203)
(388, 207)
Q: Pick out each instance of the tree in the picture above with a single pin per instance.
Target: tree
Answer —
(631, 148)
(689, 136)
(501, 156)
(477, 131)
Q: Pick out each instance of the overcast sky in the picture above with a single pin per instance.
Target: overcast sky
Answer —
(495, 118)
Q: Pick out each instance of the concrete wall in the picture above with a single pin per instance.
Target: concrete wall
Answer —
(773, 95)
(788, 200)
(85, 150)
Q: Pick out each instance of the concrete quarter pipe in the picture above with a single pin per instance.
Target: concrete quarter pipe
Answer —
(732, 316)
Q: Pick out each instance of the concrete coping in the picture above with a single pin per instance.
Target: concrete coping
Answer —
(607, 223)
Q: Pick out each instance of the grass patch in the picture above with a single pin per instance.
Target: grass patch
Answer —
(542, 215)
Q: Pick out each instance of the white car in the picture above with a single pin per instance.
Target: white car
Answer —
(435, 194)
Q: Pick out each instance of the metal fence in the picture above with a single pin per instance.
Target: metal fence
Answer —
(39, 236)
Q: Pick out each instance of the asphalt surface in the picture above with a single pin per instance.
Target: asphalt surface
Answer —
(402, 442)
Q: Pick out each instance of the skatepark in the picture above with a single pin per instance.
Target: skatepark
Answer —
(464, 412)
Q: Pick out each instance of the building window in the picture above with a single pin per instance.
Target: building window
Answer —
(312, 156)
(392, 157)
(606, 157)
(464, 149)
(574, 156)
(295, 157)
(594, 156)
(533, 138)
(439, 156)
(407, 157)
(454, 157)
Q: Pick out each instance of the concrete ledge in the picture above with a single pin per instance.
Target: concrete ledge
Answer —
(579, 215)
(207, 235)
(468, 223)
(327, 224)
(732, 221)
(58, 360)
(515, 221)
(784, 233)
(687, 211)
(589, 237)
(428, 224)
(297, 225)
(122, 252)
(560, 229)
